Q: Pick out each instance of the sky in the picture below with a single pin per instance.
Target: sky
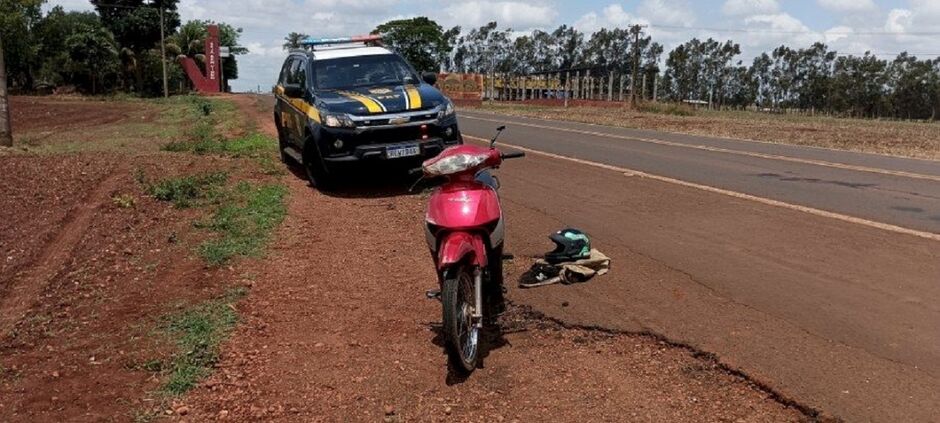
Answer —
(884, 27)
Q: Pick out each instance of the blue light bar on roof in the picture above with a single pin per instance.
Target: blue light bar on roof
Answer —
(340, 40)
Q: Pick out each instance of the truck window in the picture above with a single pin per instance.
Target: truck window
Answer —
(361, 71)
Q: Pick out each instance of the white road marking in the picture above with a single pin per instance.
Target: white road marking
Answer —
(729, 193)
(844, 166)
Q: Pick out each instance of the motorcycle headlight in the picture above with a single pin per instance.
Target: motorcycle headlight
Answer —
(337, 120)
(453, 164)
(447, 111)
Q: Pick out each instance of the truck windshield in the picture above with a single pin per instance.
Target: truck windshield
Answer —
(361, 71)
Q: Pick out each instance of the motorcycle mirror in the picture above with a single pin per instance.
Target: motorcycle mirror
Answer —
(499, 130)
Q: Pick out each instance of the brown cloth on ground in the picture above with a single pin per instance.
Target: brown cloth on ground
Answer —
(572, 271)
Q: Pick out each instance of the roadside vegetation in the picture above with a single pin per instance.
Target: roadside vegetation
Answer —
(244, 221)
(911, 139)
(240, 215)
(198, 331)
(113, 49)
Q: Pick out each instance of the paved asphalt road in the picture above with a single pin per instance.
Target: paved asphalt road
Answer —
(838, 315)
(899, 191)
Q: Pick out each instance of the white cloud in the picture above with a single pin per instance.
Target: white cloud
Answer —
(79, 5)
(668, 12)
(899, 20)
(510, 14)
(836, 34)
(612, 16)
(750, 7)
(848, 6)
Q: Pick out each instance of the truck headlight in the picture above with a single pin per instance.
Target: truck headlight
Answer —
(337, 120)
(447, 111)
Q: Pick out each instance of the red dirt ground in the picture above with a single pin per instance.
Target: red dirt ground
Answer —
(66, 113)
(82, 280)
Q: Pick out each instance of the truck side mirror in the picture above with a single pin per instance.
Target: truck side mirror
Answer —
(430, 78)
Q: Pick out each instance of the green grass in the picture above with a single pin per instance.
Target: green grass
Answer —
(253, 145)
(187, 191)
(244, 222)
(198, 332)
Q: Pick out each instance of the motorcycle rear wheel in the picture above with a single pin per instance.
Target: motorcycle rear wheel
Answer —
(461, 334)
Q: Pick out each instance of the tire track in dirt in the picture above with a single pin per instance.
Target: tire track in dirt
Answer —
(24, 289)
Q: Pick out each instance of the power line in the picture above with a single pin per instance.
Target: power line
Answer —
(777, 31)
(890, 54)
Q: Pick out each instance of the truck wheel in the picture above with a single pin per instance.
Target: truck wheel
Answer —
(316, 174)
(282, 144)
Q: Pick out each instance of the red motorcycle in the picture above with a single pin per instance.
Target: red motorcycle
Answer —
(464, 231)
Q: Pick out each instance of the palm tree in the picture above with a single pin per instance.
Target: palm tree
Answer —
(293, 40)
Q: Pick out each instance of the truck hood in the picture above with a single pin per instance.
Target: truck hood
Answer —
(382, 99)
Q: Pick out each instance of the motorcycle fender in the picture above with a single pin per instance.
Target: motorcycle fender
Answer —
(456, 247)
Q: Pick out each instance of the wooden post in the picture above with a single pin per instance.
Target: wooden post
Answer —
(590, 86)
(524, 93)
(636, 64)
(577, 85)
(567, 82)
(6, 134)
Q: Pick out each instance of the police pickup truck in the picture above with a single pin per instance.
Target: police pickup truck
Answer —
(345, 102)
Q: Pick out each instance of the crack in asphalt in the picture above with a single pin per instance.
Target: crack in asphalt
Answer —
(812, 413)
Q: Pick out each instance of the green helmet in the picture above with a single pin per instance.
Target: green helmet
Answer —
(570, 245)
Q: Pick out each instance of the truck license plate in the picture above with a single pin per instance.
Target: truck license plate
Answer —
(402, 151)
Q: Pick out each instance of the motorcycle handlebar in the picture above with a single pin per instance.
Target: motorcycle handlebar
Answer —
(513, 155)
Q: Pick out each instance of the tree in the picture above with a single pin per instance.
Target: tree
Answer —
(702, 70)
(859, 85)
(17, 19)
(53, 30)
(815, 64)
(136, 28)
(912, 84)
(292, 40)
(6, 135)
(420, 40)
(483, 50)
(91, 52)
(610, 50)
(569, 48)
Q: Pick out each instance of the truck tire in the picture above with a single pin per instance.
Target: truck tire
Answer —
(313, 166)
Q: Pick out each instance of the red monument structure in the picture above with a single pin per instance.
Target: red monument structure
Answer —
(210, 81)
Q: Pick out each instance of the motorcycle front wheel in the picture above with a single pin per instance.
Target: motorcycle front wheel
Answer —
(460, 331)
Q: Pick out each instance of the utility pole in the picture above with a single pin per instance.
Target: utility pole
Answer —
(6, 134)
(636, 61)
(166, 89)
